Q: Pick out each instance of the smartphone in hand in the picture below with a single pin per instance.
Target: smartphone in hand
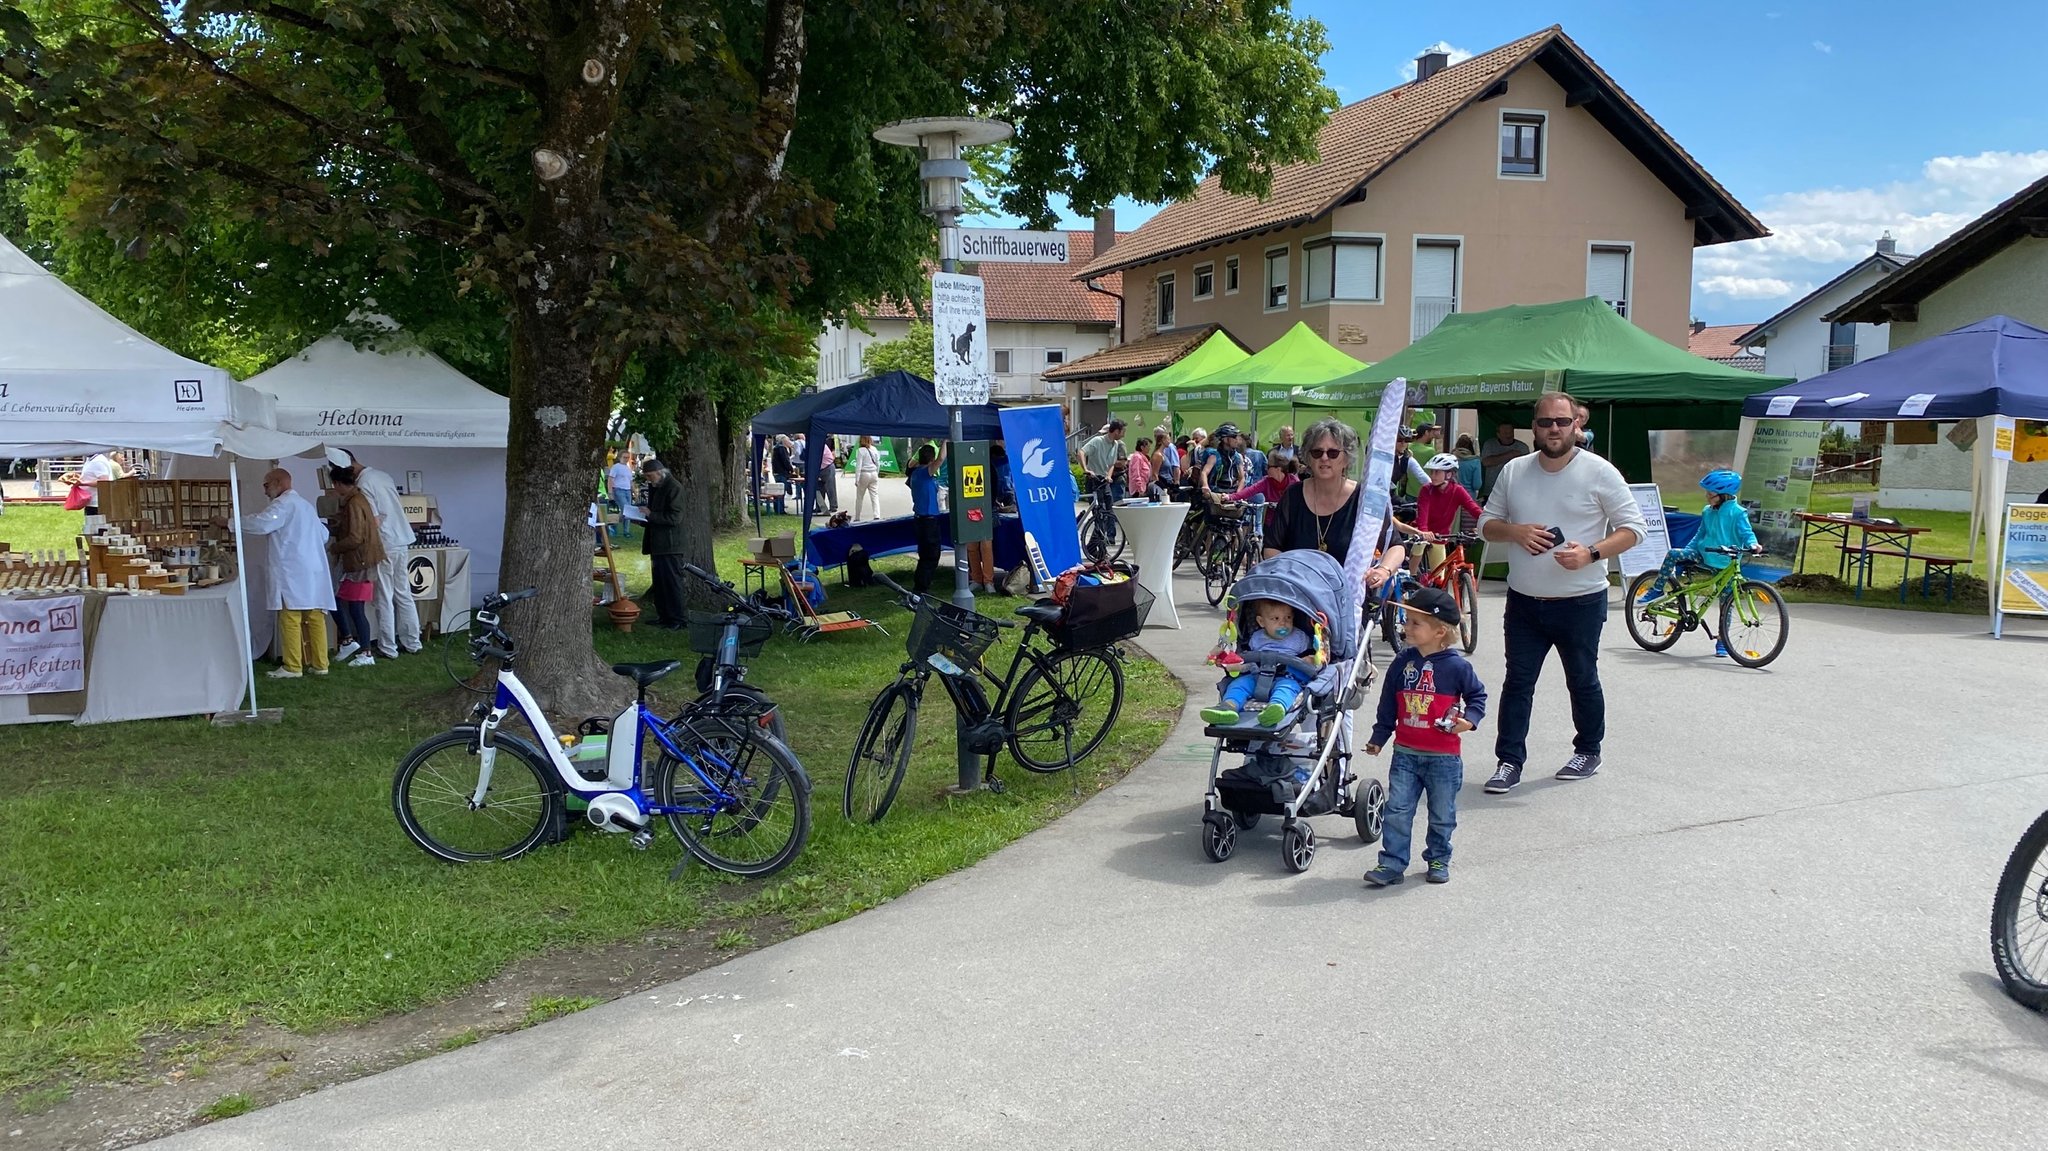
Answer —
(1556, 537)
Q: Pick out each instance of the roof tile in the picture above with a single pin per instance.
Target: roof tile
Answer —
(1140, 357)
(1718, 342)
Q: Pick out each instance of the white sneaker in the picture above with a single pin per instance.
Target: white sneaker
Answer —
(363, 660)
(348, 649)
(282, 673)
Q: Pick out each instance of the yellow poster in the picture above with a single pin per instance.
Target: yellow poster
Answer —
(973, 481)
(2030, 441)
(2023, 583)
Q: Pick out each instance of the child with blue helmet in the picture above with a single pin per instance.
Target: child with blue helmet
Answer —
(1724, 523)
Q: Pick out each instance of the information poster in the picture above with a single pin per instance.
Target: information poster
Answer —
(1777, 484)
(2023, 574)
(1649, 554)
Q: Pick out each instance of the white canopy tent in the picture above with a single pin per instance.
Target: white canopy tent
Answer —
(401, 408)
(75, 380)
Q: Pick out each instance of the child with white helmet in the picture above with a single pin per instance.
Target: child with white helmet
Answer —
(1437, 507)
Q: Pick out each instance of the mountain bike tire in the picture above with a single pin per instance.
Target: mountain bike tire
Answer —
(2019, 919)
(1655, 633)
(1468, 611)
(881, 756)
(1772, 621)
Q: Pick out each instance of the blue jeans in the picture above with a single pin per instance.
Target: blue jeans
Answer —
(1533, 627)
(1409, 776)
(1286, 685)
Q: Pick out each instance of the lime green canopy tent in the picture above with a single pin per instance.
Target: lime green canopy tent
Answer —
(1264, 384)
(1147, 402)
(1499, 361)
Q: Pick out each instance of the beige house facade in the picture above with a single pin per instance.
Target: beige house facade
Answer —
(1523, 175)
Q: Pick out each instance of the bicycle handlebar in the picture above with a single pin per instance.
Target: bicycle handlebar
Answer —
(496, 600)
(715, 584)
(912, 600)
(1755, 551)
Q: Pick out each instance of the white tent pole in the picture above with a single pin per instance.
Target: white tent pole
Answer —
(242, 578)
(1744, 436)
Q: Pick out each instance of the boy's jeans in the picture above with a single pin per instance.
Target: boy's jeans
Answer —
(1410, 774)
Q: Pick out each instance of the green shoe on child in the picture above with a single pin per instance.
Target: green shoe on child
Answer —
(1221, 716)
(1271, 714)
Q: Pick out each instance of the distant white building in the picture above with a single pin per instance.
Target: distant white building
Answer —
(1039, 317)
(1800, 342)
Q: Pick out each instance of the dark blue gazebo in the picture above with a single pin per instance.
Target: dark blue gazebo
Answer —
(891, 404)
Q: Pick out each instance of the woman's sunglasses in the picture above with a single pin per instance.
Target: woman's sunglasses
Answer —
(1326, 453)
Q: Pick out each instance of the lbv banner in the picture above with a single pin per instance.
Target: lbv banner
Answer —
(1036, 438)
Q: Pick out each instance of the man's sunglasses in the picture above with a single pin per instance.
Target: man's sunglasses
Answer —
(1555, 421)
(1326, 453)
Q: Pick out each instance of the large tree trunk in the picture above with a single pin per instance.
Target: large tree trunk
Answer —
(701, 467)
(734, 442)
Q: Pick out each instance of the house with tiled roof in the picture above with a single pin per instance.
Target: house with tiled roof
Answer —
(1804, 341)
(1722, 344)
(1522, 175)
(1039, 317)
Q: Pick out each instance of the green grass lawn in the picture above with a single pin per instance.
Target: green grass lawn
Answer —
(1949, 535)
(38, 527)
(169, 876)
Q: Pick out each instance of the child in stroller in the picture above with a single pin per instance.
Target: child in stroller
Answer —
(1296, 763)
(1275, 684)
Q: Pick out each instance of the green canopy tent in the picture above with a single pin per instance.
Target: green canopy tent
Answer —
(1263, 384)
(1499, 361)
(1147, 402)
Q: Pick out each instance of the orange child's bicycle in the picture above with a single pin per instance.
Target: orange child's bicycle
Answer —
(1457, 575)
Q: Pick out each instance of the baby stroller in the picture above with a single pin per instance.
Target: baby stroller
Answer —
(1301, 766)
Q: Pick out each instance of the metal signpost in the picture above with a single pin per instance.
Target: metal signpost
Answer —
(944, 171)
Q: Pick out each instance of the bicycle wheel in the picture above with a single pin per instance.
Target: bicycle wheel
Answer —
(2019, 919)
(1656, 628)
(431, 795)
(1390, 615)
(1221, 572)
(881, 755)
(1063, 707)
(1467, 590)
(763, 823)
(756, 699)
(1754, 623)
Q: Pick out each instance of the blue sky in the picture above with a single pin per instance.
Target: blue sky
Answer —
(1830, 122)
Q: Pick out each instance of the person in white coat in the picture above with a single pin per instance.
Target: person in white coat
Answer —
(393, 614)
(300, 590)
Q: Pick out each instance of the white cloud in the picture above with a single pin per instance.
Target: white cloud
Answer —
(1817, 234)
(1458, 56)
(1823, 47)
(1752, 288)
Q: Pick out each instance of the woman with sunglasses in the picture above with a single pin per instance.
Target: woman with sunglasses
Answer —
(1319, 513)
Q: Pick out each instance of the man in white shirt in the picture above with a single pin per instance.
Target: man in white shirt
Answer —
(1564, 512)
(393, 614)
(300, 590)
(618, 480)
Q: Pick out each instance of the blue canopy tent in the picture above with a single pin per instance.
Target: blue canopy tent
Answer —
(891, 404)
(1974, 374)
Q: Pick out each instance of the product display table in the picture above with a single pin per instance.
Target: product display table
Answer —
(157, 656)
(1150, 530)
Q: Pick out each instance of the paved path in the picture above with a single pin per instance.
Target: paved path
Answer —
(1762, 925)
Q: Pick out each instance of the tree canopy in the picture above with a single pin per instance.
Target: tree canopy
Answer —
(574, 183)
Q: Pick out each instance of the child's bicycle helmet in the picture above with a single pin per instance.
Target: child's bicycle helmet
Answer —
(1722, 482)
(1442, 461)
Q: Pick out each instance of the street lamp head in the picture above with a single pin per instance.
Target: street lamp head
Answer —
(942, 139)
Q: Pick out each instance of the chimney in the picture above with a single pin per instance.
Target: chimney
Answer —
(1430, 63)
(1698, 326)
(1105, 230)
(1886, 246)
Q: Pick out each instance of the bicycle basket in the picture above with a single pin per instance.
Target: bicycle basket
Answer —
(942, 629)
(1098, 615)
(706, 628)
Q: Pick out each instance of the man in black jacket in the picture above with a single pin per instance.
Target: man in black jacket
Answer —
(663, 542)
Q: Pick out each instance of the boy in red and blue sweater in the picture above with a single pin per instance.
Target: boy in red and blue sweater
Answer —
(1430, 698)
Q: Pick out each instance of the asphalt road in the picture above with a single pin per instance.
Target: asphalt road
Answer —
(1762, 925)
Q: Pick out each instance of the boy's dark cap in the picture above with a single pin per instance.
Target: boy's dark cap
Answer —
(1435, 602)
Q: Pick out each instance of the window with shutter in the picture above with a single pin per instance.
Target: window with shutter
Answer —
(1436, 285)
(1001, 361)
(1205, 281)
(1166, 308)
(1276, 279)
(1230, 276)
(1607, 275)
(1343, 269)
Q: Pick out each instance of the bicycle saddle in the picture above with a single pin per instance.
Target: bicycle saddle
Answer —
(1042, 613)
(646, 673)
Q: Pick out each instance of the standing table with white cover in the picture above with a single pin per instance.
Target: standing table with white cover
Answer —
(1151, 530)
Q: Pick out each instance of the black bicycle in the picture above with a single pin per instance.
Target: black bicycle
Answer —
(1052, 708)
(2019, 919)
(1234, 546)
(1101, 542)
(724, 638)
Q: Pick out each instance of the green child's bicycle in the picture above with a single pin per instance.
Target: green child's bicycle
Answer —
(1753, 620)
